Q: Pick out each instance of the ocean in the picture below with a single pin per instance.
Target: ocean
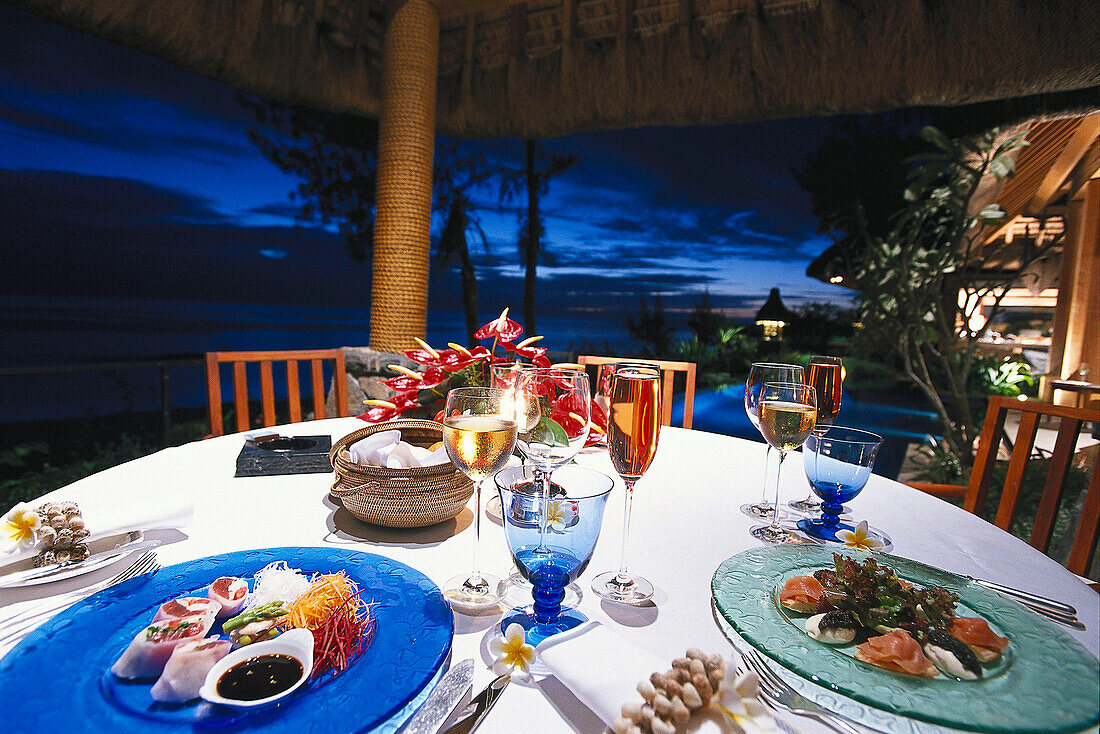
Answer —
(52, 331)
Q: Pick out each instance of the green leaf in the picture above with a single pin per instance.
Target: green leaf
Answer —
(936, 137)
(1002, 166)
(549, 433)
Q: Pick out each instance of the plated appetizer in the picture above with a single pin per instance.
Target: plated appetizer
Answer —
(900, 627)
(174, 648)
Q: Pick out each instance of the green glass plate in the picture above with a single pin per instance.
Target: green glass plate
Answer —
(1049, 685)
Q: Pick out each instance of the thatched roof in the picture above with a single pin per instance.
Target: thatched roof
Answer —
(774, 309)
(539, 68)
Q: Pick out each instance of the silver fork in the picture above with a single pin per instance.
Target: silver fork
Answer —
(776, 692)
(21, 624)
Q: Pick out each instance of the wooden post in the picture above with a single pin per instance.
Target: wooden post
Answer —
(406, 145)
(1076, 337)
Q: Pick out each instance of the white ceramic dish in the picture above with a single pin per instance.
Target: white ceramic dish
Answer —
(102, 551)
(297, 643)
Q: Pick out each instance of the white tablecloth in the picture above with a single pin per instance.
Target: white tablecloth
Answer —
(685, 522)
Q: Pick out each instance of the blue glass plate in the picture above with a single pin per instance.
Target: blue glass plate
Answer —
(58, 676)
(1048, 686)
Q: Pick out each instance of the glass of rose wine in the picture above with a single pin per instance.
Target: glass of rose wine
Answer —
(479, 434)
(826, 374)
(633, 426)
(788, 413)
(760, 373)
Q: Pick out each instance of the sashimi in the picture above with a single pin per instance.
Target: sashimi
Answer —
(150, 649)
(229, 592)
(896, 651)
(186, 607)
(975, 632)
(187, 667)
(802, 594)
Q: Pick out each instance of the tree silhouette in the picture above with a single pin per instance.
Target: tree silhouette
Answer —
(535, 180)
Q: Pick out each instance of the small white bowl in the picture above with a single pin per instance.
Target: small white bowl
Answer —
(297, 643)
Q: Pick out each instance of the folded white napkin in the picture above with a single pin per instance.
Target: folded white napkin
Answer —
(603, 671)
(386, 448)
(102, 522)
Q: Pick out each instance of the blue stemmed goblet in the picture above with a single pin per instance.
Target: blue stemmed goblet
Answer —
(838, 465)
(551, 540)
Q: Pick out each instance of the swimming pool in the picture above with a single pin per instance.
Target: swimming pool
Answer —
(723, 411)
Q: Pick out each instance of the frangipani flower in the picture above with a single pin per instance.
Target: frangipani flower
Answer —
(19, 526)
(738, 700)
(559, 514)
(511, 651)
(859, 538)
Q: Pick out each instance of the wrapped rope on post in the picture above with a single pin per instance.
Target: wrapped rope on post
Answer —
(406, 139)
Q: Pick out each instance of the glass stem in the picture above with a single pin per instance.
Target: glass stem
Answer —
(623, 578)
(775, 508)
(764, 488)
(475, 576)
(543, 478)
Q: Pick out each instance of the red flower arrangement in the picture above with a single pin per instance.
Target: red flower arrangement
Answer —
(458, 367)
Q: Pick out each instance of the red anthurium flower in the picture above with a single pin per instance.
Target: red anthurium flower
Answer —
(454, 360)
(524, 350)
(502, 329)
(541, 361)
(384, 410)
(597, 425)
(422, 356)
(425, 380)
(568, 411)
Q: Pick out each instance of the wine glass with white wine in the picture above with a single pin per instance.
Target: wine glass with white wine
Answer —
(479, 434)
(788, 413)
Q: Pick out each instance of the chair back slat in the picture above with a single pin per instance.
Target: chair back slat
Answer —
(1060, 460)
(293, 391)
(267, 392)
(266, 365)
(984, 460)
(1088, 527)
(316, 367)
(240, 395)
(1017, 465)
(668, 369)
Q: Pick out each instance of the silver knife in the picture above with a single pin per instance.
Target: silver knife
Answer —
(473, 714)
(1053, 604)
(443, 699)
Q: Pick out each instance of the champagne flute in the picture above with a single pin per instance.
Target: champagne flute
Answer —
(788, 412)
(479, 434)
(826, 374)
(760, 373)
(633, 426)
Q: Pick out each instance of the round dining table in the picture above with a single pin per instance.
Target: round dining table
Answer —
(685, 523)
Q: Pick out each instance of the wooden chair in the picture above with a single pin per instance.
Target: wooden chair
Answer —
(239, 360)
(1069, 427)
(668, 373)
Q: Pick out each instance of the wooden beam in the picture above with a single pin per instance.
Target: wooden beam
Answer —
(468, 53)
(1087, 132)
(458, 8)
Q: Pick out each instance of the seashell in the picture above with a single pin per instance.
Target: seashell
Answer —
(63, 556)
(697, 668)
(69, 507)
(45, 534)
(621, 725)
(632, 711)
(647, 690)
(702, 685)
(76, 523)
(662, 706)
(660, 726)
(79, 551)
(57, 521)
(681, 663)
(695, 654)
(81, 534)
(64, 537)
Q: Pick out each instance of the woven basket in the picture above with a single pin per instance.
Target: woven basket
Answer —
(399, 498)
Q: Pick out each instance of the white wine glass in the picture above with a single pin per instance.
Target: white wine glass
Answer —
(788, 413)
(826, 374)
(760, 373)
(479, 434)
(633, 427)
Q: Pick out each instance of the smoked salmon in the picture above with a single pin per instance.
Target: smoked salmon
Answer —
(975, 632)
(802, 594)
(896, 651)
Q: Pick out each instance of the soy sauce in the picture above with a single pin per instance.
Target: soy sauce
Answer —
(259, 677)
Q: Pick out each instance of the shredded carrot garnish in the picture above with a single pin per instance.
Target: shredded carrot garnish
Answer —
(326, 594)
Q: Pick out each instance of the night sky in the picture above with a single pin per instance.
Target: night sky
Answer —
(122, 176)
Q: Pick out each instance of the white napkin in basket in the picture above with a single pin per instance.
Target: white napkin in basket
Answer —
(386, 449)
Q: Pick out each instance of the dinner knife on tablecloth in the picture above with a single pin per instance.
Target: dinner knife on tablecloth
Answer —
(479, 707)
(443, 699)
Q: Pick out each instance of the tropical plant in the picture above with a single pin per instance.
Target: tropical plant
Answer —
(923, 281)
(705, 322)
(650, 330)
